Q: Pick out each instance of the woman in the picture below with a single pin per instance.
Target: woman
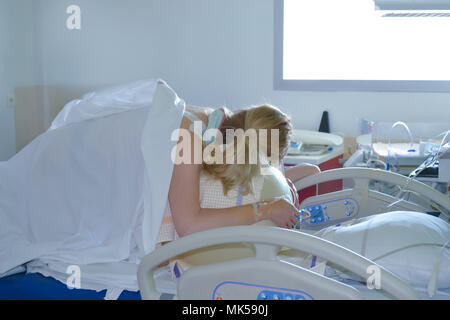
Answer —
(189, 216)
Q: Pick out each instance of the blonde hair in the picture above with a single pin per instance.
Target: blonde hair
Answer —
(261, 117)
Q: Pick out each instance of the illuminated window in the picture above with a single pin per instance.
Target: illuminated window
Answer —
(348, 45)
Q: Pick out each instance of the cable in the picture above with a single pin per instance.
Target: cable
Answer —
(382, 164)
(411, 140)
(426, 164)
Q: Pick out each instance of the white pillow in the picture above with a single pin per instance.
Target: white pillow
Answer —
(409, 244)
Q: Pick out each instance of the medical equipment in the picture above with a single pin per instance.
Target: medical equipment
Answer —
(421, 156)
(295, 147)
(312, 143)
(361, 201)
(408, 144)
(321, 149)
(433, 157)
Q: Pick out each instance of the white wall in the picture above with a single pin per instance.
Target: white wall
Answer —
(7, 142)
(213, 52)
(17, 63)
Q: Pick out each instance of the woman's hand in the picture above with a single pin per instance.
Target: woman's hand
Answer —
(281, 212)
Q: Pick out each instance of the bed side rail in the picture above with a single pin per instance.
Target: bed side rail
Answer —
(264, 238)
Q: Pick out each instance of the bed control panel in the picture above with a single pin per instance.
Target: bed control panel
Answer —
(318, 214)
(229, 289)
(281, 295)
(331, 211)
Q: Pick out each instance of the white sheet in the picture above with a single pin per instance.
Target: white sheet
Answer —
(102, 103)
(81, 192)
(372, 294)
(409, 244)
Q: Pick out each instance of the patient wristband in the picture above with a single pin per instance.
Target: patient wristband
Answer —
(256, 207)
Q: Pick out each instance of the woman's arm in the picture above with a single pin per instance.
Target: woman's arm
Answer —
(301, 171)
(184, 199)
(189, 217)
(296, 173)
(187, 214)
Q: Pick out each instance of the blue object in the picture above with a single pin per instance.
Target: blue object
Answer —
(280, 295)
(317, 214)
(35, 286)
(215, 121)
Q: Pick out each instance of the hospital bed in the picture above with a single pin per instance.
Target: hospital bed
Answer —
(267, 276)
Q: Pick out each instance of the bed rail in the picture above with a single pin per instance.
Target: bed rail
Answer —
(266, 240)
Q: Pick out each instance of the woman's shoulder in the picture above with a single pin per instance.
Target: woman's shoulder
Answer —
(200, 110)
(201, 113)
